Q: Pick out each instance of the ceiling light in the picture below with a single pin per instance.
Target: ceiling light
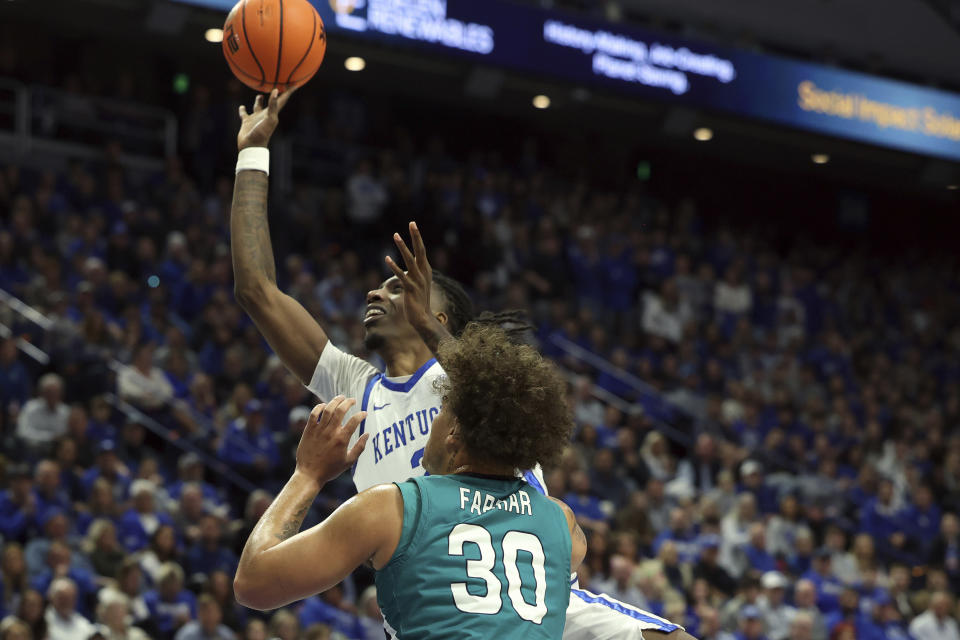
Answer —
(703, 134)
(820, 158)
(213, 35)
(541, 101)
(355, 63)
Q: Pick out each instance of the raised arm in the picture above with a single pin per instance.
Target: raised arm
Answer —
(281, 564)
(292, 332)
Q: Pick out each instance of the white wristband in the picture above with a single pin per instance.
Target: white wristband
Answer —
(255, 159)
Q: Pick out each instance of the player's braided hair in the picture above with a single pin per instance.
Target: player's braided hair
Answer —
(460, 311)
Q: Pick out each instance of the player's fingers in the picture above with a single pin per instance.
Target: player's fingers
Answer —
(329, 410)
(273, 104)
(285, 97)
(357, 449)
(258, 103)
(316, 413)
(243, 112)
(351, 425)
(341, 411)
(397, 271)
(419, 250)
(408, 258)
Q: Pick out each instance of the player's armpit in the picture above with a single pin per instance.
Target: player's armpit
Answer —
(295, 336)
(366, 526)
(578, 540)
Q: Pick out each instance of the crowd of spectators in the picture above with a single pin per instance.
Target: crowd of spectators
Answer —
(788, 468)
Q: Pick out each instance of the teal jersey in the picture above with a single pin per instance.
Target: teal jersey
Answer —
(479, 557)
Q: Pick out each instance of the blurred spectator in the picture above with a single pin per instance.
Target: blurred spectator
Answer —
(709, 569)
(13, 577)
(777, 614)
(284, 625)
(140, 522)
(936, 623)
(747, 595)
(18, 505)
(945, 550)
(709, 628)
(802, 627)
(109, 468)
(170, 605)
(103, 548)
(330, 608)
(700, 470)
(805, 602)
(848, 611)
(208, 626)
(162, 549)
(15, 382)
(248, 446)
(143, 384)
(751, 624)
(60, 563)
(620, 584)
(209, 554)
(13, 629)
(113, 614)
(43, 419)
(256, 629)
(63, 621)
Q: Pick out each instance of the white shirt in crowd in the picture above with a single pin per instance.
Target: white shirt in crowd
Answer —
(149, 392)
(927, 627)
(38, 424)
(732, 298)
(74, 627)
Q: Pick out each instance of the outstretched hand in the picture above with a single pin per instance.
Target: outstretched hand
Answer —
(257, 127)
(417, 279)
(322, 453)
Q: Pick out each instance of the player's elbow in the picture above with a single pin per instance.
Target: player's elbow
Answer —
(252, 295)
(250, 592)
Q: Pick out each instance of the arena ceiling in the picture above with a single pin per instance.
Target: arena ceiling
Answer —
(913, 39)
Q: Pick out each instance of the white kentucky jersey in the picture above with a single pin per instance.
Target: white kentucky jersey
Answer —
(399, 410)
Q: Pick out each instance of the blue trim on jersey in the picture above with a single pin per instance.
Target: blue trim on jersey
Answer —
(363, 407)
(589, 598)
(532, 479)
(403, 387)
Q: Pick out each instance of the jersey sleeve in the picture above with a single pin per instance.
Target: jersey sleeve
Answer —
(338, 372)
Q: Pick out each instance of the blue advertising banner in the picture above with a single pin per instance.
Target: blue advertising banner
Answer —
(808, 96)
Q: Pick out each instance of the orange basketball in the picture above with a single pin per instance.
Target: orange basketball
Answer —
(274, 43)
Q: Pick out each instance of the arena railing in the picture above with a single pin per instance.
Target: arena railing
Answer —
(679, 436)
(38, 121)
(642, 389)
(47, 325)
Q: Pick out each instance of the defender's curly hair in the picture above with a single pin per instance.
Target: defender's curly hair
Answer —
(508, 400)
(460, 311)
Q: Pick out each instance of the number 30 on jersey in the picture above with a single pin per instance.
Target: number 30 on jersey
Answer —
(490, 603)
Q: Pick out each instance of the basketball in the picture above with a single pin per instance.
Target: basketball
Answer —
(274, 43)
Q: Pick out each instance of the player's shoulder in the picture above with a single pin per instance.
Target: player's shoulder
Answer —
(565, 508)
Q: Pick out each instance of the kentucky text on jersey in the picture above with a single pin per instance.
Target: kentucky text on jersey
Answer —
(402, 431)
(482, 502)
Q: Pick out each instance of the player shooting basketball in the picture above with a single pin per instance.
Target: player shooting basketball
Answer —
(406, 319)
